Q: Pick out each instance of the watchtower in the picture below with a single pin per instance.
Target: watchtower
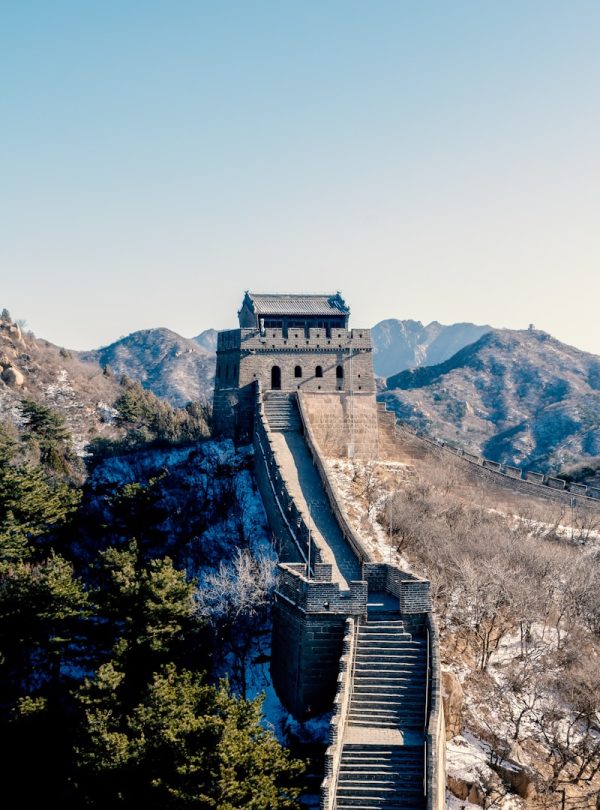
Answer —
(289, 342)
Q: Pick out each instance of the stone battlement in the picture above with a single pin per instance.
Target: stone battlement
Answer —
(319, 594)
(294, 340)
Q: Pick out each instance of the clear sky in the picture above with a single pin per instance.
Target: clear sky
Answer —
(431, 160)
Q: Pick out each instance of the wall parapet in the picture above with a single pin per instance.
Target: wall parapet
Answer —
(531, 480)
(413, 592)
(296, 526)
(339, 720)
(349, 532)
(435, 731)
(319, 594)
(294, 339)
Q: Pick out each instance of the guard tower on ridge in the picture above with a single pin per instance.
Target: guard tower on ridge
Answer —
(288, 343)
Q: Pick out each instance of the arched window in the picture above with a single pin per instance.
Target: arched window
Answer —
(319, 371)
(226, 372)
(218, 372)
(276, 378)
(339, 372)
(298, 371)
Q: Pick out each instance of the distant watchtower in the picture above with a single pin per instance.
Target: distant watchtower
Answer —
(288, 342)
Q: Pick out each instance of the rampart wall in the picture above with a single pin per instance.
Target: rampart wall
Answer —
(341, 705)
(530, 483)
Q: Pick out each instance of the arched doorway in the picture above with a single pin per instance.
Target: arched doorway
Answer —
(276, 378)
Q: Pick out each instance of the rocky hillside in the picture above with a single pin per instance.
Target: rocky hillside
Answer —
(35, 369)
(207, 339)
(398, 345)
(520, 397)
(171, 366)
(180, 370)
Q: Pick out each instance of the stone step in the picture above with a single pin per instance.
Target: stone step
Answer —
(410, 702)
(358, 790)
(385, 767)
(412, 655)
(389, 660)
(395, 677)
(374, 778)
(369, 642)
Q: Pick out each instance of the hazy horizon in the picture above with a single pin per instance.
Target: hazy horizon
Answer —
(432, 161)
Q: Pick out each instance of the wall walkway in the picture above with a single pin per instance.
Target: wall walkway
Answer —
(350, 631)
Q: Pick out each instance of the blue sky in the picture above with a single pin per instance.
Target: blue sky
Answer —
(432, 160)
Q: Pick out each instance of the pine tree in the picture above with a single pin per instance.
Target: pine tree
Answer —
(183, 744)
(48, 430)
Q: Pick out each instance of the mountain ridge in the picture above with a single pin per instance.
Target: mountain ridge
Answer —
(401, 344)
(171, 366)
(516, 396)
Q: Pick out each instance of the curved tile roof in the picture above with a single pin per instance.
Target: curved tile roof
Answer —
(301, 304)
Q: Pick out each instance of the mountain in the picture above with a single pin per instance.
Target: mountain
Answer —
(520, 397)
(171, 366)
(207, 339)
(398, 345)
(32, 368)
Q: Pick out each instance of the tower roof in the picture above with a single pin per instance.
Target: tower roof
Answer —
(267, 304)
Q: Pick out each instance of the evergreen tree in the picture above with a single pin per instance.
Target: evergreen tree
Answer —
(183, 744)
(47, 429)
(30, 504)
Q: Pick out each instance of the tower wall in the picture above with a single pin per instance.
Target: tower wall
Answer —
(328, 361)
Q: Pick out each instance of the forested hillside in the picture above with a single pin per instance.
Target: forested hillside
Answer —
(124, 595)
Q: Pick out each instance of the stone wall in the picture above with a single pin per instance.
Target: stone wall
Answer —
(533, 484)
(435, 736)
(344, 424)
(285, 519)
(337, 507)
(245, 356)
(337, 727)
(413, 593)
(309, 619)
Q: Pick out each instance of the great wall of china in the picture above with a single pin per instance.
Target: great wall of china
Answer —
(349, 633)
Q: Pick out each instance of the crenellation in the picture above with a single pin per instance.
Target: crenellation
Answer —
(317, 353)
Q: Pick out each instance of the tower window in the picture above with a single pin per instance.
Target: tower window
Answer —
(298, 371)
(339, 372)
(319, 371)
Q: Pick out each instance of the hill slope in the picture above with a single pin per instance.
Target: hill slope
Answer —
(398, 345)
(520, 397)
(32, 368)
(171, 366)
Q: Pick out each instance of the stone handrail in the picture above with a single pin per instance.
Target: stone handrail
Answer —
(435, 732)
(350, 534)
(341, 706)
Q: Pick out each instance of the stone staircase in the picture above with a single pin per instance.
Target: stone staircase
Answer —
(382, 762)
(381, 776)
(281, 411)
(389, 677)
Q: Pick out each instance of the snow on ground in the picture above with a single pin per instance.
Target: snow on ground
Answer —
(466, 758)
(254, 518)
(363, 514)
(128, 468)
